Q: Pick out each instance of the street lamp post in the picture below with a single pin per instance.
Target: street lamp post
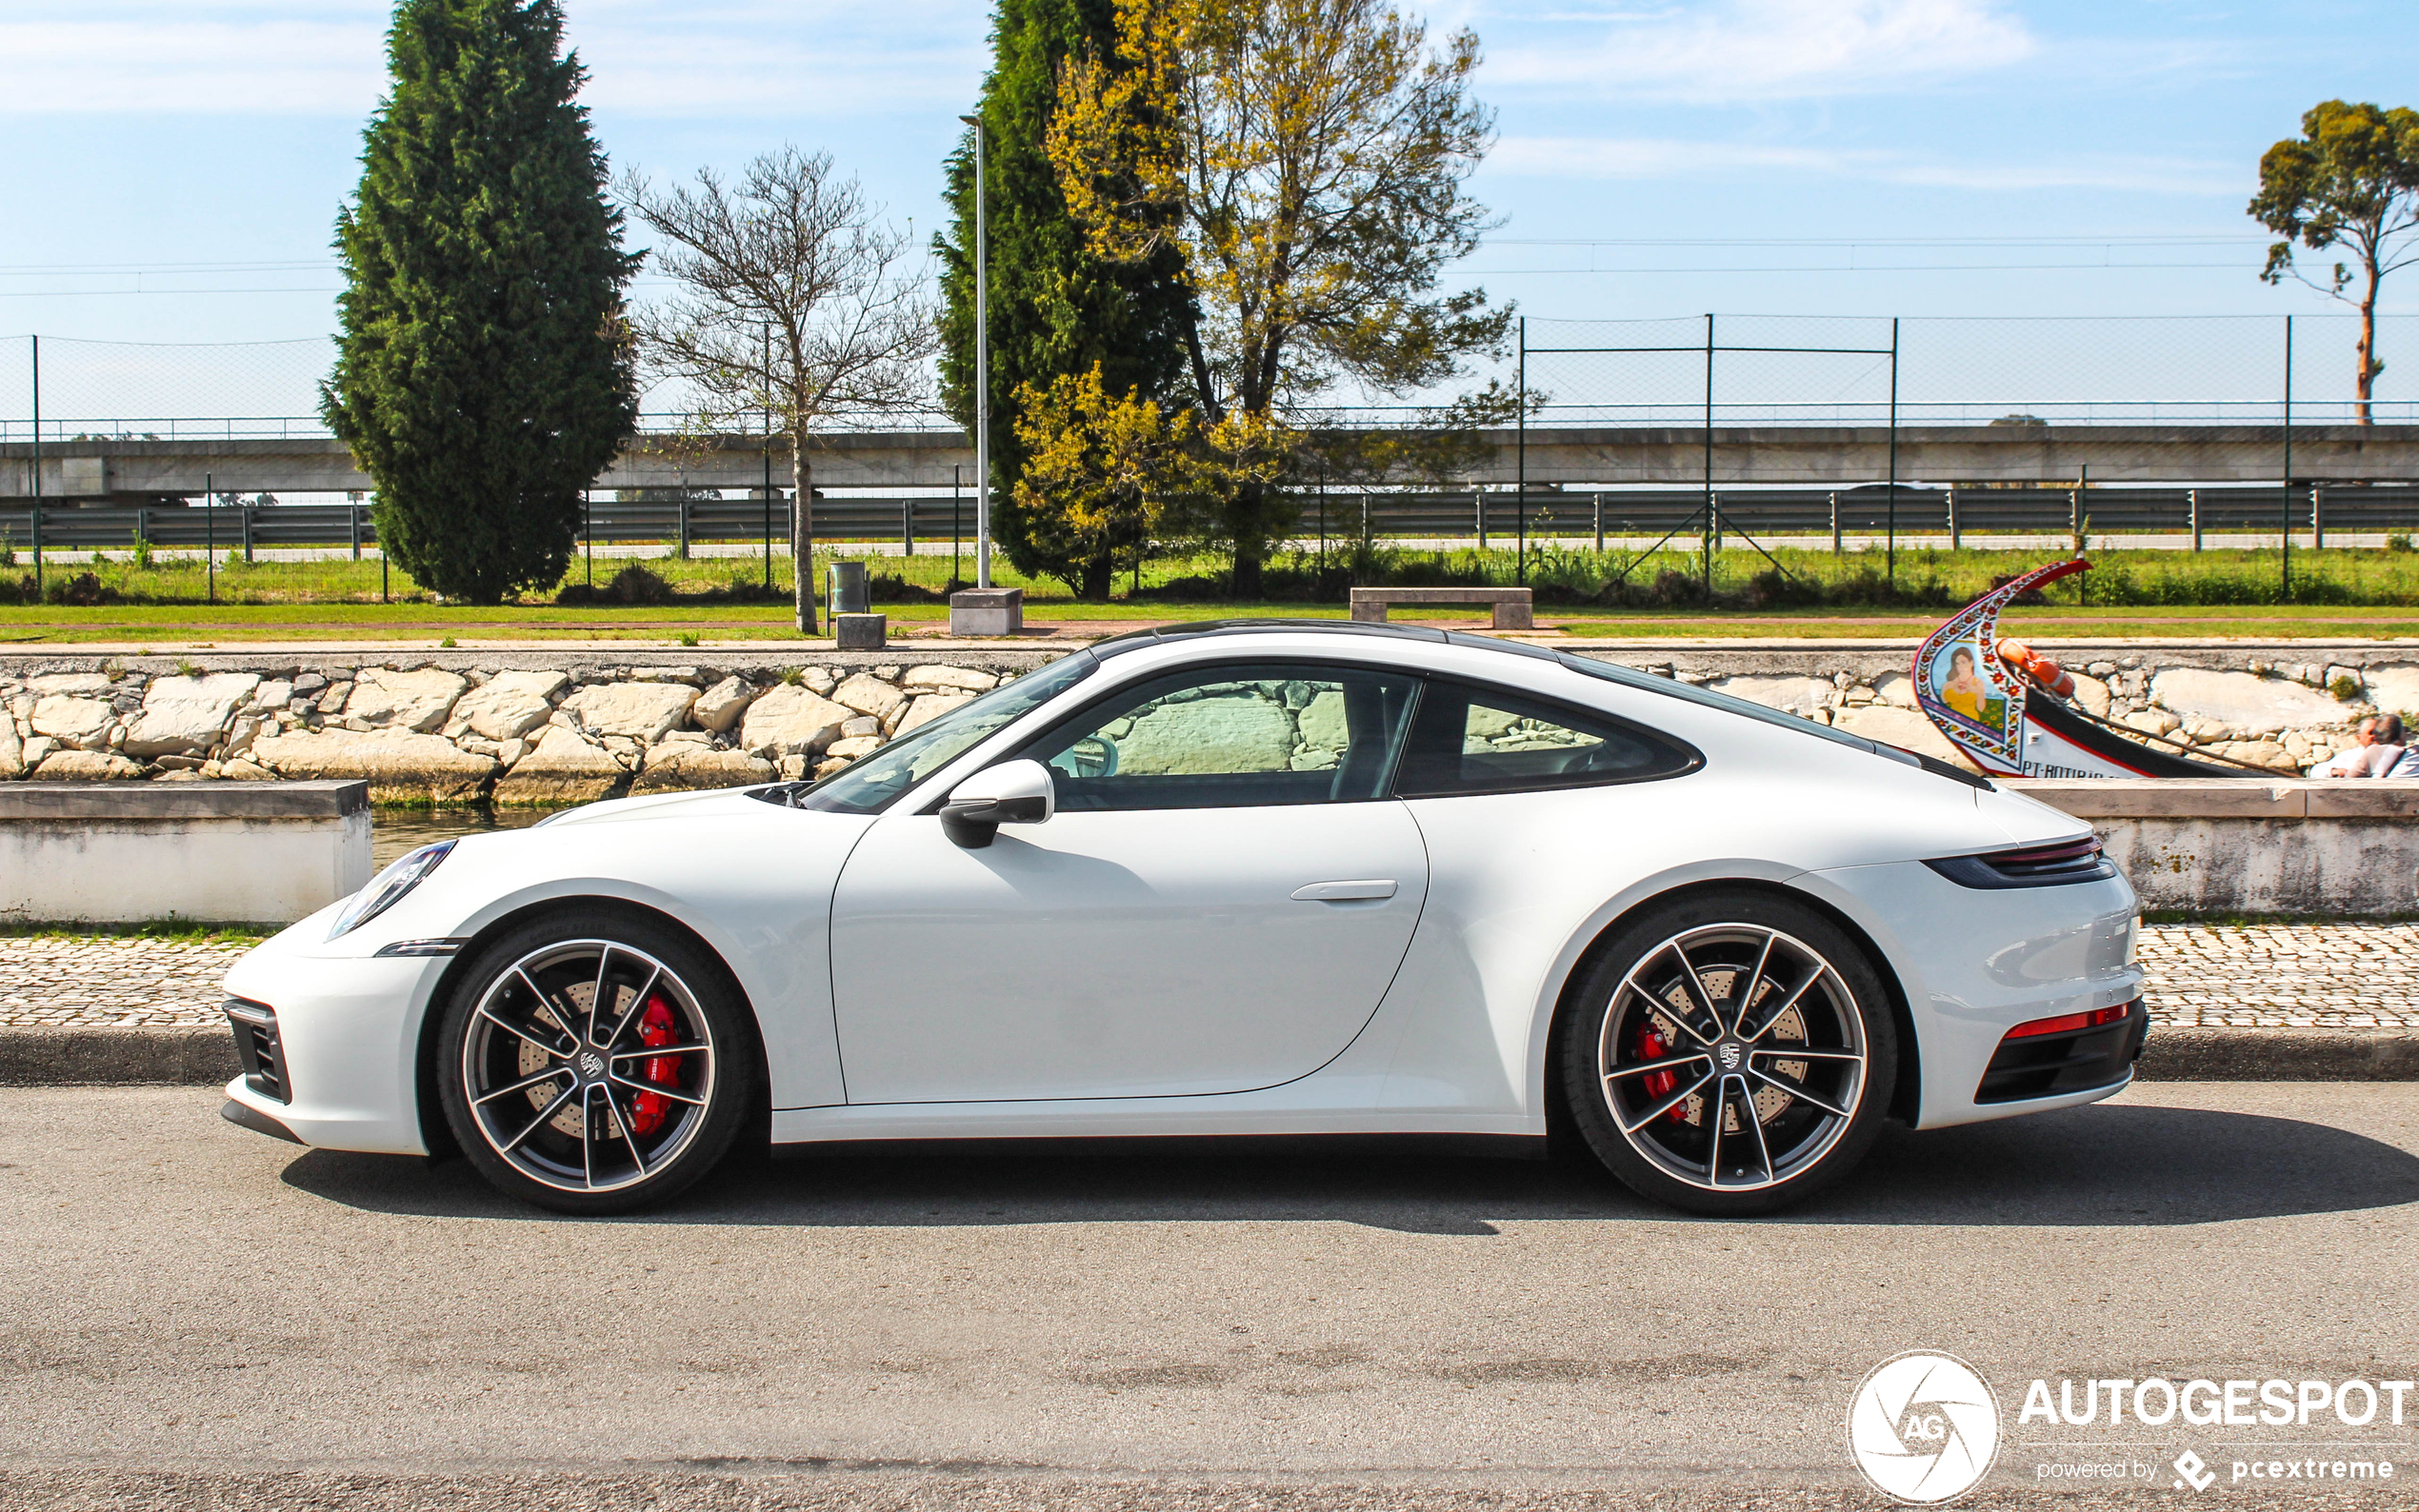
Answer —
(982, 370)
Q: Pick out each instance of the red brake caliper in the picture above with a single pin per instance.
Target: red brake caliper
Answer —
(1660, 1085)
(649, 1109)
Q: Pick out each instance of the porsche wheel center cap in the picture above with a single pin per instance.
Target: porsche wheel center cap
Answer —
(592, 1066)
(1732, 1054)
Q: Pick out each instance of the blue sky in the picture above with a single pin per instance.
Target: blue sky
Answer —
(172, 168)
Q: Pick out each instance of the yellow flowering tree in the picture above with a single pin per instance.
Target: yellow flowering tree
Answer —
(1307, 157)
(1103, 475)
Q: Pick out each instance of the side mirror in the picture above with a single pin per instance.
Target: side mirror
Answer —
(1017, 792)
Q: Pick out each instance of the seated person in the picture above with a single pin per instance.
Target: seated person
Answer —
(2381, 751)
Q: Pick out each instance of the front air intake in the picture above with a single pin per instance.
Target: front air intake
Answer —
(257, 1046)
(2030, 867)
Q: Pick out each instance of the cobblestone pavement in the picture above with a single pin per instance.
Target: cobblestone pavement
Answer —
(2254, 975)
(100, 981)
(2331, 976)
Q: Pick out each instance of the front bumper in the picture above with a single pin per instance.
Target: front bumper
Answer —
(345, 1036)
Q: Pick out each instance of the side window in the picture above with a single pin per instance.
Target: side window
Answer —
(1476, 740)
(1233, 736)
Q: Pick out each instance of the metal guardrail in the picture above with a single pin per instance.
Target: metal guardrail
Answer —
(1496, 518)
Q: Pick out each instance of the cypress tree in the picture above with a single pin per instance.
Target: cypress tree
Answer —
(483, 375)
(1055, 309)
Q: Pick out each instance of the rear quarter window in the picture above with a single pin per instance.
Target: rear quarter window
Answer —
(1470, 739)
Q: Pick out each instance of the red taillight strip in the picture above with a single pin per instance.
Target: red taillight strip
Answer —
(2069, 1022)
(2086, 848)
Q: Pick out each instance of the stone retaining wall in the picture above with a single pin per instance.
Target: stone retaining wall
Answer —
(535, 726)
(461, 730)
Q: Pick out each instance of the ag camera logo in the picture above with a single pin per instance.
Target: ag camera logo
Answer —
(1924, 1427)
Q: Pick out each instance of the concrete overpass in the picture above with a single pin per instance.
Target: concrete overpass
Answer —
(924, 460)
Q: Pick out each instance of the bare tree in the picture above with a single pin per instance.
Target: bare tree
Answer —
(794, 300)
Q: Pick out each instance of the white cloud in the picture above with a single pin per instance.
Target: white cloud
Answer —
(1765, 50)
(823, 58)
(1665, 158)
(270, 67)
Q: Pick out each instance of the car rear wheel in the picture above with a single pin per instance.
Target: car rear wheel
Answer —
(1730, 1053)
(595, 1065)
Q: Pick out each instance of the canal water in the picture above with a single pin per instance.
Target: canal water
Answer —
(393, 831)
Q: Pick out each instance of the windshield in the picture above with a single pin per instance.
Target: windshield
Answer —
(869, 784)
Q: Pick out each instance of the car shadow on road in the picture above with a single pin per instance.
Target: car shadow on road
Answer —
(2108, 1164)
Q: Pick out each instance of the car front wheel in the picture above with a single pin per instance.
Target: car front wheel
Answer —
(595, 1065)
(1730, 1053)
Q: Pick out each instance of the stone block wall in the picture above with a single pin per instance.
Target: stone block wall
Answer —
(455, 732)
(540, 728)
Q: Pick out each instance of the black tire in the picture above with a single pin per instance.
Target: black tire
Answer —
(568, 1111)
(1736, 1124)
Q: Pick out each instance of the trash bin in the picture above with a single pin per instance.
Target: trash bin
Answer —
(850, 594)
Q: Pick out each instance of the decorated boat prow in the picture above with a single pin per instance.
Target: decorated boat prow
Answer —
(2005, 705)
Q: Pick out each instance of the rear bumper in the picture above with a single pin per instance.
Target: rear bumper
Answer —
(2035, 1067)
(1975, 964)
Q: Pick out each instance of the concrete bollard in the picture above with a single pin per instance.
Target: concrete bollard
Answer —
(860, 633)
(986, 611)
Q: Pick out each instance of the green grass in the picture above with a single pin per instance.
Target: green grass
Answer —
(174, 932)
(2337, 593)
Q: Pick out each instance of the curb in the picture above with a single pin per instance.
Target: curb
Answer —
(2280, 1055)
(196, 1057)
(206, 1057)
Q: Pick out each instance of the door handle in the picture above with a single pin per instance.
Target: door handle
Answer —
(1343, 892)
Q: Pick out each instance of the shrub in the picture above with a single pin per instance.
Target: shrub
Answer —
(2397, 543)
(633, 584)
(83, 591)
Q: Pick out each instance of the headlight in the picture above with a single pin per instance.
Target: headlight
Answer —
(386, 888)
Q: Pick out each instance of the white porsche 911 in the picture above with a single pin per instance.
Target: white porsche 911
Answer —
(1259, 879)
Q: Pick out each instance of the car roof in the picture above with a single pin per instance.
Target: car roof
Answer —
(1197, 630)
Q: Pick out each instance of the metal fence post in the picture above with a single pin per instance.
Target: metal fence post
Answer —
(1956, 539)
(1478, 504)
(2317, 522)
(956, 528)
(1520, 464)
(1600, 523)
(683, 506)
(353, 521)
(247, 512)
(906, 525)
(37, 468)
(210, 540)
(2284, 542)
(1893, 558)
(1835, 547)
(2192, 503)
(1706, 526)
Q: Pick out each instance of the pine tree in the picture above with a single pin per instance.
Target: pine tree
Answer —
(483, 376)
(1055, 308)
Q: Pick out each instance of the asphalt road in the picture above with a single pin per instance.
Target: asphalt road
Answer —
(191, 1314)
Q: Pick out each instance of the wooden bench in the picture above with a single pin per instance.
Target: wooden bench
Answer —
(1513, 607)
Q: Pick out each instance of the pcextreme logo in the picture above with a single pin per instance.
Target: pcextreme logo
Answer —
(1924, 1427)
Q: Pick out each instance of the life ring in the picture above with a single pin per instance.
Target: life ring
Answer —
(2048, 674)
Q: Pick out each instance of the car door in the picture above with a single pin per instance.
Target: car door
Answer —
(1219, 902)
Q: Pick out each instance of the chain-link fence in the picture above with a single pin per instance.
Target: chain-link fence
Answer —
(230, 392)
(1932, 371)
(1761, 371)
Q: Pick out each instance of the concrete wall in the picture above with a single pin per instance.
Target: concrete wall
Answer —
(2306, 847)
(1825, 455)
(217, 852)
